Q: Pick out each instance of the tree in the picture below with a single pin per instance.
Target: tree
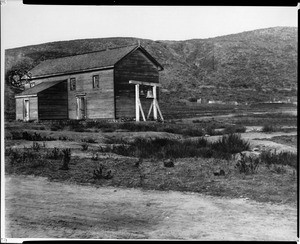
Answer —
(19, 74)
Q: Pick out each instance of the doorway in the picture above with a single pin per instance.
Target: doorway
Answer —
(26, 110)
(81, 107)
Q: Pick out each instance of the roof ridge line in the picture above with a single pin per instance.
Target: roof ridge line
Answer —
(101, 50)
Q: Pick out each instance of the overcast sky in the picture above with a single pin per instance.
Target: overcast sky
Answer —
(24, 25)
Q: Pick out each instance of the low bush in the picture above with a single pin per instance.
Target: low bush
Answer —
(192, 132)
(63, 138)
(66, 158)
(95, 157)
(248, 164)
(167, 148)
(279, 169)
(26, 158)
(18, 135)
(36, 146)
(89, 140)
(84, 146)
(56, 127)
(78, 129)
(55, 153)
(282, 158)
(234, 129)
(232, 144)
(101, 173)
(269, 128)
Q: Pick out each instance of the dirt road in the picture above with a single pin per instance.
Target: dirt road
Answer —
(38, 208)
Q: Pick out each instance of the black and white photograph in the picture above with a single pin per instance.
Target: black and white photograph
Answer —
(136, 122)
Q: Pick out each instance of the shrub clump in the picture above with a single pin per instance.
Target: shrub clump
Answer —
(66, 158)
(269, 128)
(25, 158)
(30, 137)
(248, 164)
(234, 129)
(55, 153)
(162, 148)
(101, 173)
(232, 144)
(84, 146)
(282, 158)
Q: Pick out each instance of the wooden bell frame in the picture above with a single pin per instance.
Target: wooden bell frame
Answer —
(154, 105)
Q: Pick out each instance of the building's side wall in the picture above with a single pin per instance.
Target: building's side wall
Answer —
(53, 102)
(100, 101)
(135, 66)
(33, 108)
(19, 108)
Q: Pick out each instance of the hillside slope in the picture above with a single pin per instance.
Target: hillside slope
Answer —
(250, 66)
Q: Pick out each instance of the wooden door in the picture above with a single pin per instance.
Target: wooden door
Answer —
(81, 107)
(26, 110)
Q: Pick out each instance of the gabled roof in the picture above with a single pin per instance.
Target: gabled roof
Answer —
(38, 88)
(87, 61)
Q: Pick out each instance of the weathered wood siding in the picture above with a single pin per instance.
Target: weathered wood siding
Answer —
(53, 102)
(33, 108)
(136, 66)
(100, 101)
(19, 108)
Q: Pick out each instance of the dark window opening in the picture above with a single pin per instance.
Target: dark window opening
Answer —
(72, 84)
(96, 81)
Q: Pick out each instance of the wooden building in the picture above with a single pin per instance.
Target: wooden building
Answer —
(88, 86)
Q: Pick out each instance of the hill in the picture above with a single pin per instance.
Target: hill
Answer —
(251, 66)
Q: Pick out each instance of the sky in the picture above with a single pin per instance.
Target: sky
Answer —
(24, 25)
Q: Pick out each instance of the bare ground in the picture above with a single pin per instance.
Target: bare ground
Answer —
(37, 208)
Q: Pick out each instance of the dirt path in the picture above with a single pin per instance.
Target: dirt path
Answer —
(38, 208)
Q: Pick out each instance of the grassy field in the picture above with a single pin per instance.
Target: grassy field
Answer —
(188, 174)
(134, 156)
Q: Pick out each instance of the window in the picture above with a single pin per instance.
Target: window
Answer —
(72, 84)
(32, 84)
(96, 81)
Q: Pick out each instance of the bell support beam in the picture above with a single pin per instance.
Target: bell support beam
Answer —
(144, 83)
(138, 105)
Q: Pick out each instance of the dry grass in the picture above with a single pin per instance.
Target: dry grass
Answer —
(188, 174)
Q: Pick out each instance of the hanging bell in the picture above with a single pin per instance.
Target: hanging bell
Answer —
(149, 94)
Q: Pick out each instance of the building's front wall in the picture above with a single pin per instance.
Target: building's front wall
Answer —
(99, 101)
(33, 108)
(135, 66)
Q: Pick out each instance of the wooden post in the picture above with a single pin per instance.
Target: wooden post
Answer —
(137, 98)
(154, 103)
(151, 106)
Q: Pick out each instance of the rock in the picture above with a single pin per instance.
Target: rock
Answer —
(169, 163)
(138, 163)
(220, 173)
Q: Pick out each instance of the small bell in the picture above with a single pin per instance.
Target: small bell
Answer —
(149, 94)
